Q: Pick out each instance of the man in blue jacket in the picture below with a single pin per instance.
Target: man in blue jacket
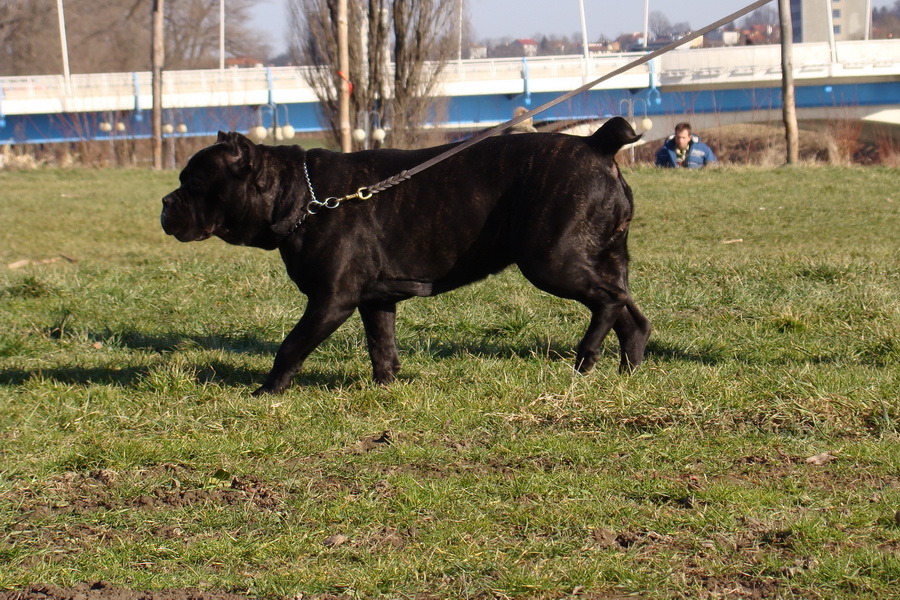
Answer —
(684, 150)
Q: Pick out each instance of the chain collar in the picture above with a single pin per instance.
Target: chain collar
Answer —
(312, 199)
(314, 205)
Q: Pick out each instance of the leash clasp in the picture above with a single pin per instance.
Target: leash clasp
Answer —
(333, 202)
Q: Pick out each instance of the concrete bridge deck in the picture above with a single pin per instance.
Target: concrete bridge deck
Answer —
(859, 79)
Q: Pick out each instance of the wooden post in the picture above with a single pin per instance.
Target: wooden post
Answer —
(789, 108)
(344, 60)
(157, 58)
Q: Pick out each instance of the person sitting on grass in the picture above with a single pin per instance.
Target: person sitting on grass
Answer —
(683, 149)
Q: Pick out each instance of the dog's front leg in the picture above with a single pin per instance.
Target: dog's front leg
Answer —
(319, 321)
(379, 320)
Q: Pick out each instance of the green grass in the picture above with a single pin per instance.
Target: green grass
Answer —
(132, 452)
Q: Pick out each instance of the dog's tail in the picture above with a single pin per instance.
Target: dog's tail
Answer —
(614, 134)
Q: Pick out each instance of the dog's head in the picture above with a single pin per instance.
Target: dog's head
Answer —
(226, 191)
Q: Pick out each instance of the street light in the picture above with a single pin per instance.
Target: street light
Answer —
(368, 126)
(221, 34)
(646, 24)
(64, 44)
(868, 19)
(459, 39)
(584, 42)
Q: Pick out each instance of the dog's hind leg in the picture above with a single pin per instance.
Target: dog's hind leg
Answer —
(379, 322)
(601, 284)
(606, 310)
(633, 329)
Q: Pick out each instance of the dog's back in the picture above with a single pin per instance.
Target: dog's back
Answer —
(509, 199)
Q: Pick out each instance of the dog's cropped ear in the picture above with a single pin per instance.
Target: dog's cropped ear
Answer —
(243, 155)
(222, 137)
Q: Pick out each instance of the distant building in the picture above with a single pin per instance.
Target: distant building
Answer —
(731, 38)
(528, 46)
(762, 34)
(723, 37)
(476, 51)
(242, 62)
(628, 41)
(612, 47)
(554, 47)
(811, 19)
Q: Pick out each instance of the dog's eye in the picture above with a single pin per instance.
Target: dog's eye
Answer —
(193, 184)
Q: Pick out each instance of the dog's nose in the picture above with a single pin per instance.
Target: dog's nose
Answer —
(167, 200)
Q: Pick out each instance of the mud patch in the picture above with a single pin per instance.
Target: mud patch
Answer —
(240, 491)
(741, 588)
(104, 591)
(166, 486)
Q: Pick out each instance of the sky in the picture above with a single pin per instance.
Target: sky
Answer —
(494, 19)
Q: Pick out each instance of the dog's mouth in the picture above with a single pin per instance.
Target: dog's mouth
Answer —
(183, 232)
(189, 234)
(184, 236)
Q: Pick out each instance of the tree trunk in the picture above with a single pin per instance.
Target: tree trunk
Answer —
(157, 58)
(344, 62)
(402, 100)
(789, 108)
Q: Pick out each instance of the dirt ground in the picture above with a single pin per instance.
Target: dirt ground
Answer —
(86, 492)
(104, 591)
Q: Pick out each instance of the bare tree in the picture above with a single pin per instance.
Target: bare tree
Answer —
(680, 27)
(114, 35)
(886, 21)
(397, 48)
(659, 24)
(767, 15)
(21, 51)
(192, 33)
(157, 59)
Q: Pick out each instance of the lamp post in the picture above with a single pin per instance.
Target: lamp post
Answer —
(64, 44)
(646, 24)
(221, 34)
(868, 20)
(584, 42)
(459, 39)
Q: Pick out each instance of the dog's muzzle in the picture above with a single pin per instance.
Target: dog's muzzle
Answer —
(180, 223)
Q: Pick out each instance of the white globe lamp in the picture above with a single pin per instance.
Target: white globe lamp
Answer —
(258, 133)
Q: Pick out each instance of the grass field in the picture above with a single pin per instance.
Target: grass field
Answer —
(754, 455)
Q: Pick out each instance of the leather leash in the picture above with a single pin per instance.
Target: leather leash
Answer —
(364, 193)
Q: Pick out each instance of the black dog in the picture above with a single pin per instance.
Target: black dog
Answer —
(555, 205)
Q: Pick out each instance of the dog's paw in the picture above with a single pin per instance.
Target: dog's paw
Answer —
(266, 390)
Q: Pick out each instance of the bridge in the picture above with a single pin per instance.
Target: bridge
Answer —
(710, 86)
